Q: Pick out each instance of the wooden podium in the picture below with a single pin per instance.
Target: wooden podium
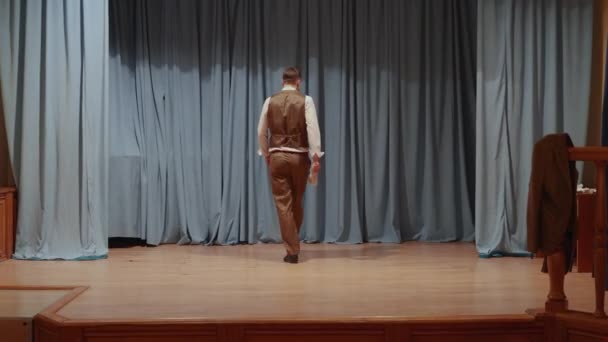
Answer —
(556, 300)
(7, 222)
(586, 224)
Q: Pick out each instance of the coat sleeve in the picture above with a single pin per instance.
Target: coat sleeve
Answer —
(535, 190)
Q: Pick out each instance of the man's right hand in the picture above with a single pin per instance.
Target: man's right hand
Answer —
(316, 164)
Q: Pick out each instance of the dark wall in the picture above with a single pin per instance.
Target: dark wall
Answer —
(6, 173)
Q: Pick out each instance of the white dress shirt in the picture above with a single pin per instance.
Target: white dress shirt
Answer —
(312, 127)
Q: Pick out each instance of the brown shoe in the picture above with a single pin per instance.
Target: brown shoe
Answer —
(291, 259)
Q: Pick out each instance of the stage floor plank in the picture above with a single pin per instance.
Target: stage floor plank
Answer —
(333, 282)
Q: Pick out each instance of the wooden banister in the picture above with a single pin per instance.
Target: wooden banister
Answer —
(599, 156)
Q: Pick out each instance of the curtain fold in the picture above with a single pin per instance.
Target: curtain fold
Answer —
(53, 74)
(394, 87)
(533, 78)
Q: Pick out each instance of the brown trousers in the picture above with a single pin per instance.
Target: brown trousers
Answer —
(289, 174)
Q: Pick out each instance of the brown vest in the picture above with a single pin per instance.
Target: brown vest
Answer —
(287, 120)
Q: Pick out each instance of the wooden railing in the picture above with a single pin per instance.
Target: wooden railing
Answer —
(556, 300)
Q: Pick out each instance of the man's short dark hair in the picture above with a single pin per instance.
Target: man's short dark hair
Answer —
(291, 75)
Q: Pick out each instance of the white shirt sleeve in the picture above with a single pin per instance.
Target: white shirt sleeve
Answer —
(263, 130)
(312, 126)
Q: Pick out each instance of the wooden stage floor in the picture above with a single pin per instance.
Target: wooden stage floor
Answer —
(369, 282)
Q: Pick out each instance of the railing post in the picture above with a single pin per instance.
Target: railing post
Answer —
(556, 299)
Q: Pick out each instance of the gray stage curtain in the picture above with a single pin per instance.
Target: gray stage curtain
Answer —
(53, 73)
(394, 86)
(533, 78)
